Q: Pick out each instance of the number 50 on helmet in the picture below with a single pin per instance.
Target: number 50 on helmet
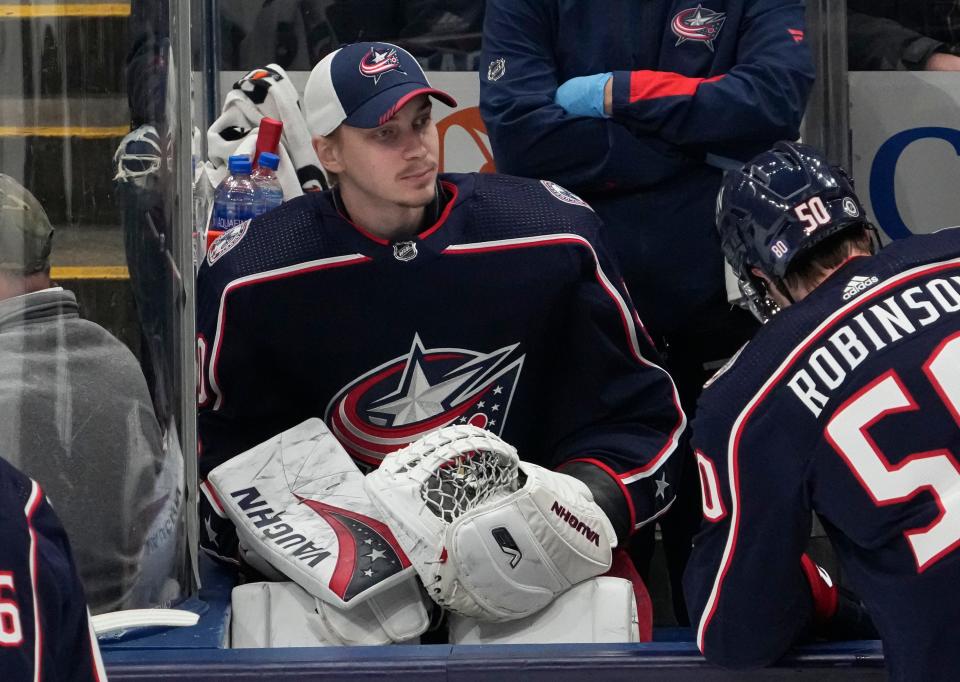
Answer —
(777, 206)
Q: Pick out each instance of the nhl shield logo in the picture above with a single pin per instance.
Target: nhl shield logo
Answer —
(405, 251)
(697, 24)
(497, 68)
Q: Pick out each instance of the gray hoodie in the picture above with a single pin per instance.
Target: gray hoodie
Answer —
(76, 416)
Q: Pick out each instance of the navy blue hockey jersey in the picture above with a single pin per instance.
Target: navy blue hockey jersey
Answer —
(45, 632)
(847, 404)
(508, 314)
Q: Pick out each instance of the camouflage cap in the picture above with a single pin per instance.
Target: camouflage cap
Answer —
(25, 231)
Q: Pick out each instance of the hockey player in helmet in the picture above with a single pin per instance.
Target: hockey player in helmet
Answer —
(846, 404)
(780, 215)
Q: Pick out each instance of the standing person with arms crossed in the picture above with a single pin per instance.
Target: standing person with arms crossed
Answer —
(847, 403)
(401, 301)
(632, 104)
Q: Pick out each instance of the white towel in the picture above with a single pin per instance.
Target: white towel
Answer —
(265, 92)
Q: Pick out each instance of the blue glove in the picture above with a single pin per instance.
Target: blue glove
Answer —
(583, 96)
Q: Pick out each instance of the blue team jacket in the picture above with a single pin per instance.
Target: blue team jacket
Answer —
(691, 77)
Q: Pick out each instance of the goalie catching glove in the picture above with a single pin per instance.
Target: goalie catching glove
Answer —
(493, 538)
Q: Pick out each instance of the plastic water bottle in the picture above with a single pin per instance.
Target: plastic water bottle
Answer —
(237, 197)
(266, 178)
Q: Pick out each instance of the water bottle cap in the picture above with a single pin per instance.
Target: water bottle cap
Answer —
(269, 160)
(239, 163)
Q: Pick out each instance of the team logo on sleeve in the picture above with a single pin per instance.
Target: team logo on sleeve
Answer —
(697, 24)
(564, 195)
(426, 388)
(226, 241)
(378, 62)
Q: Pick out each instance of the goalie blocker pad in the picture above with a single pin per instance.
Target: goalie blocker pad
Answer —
(484, 545)
(285, 615)
(298, 502)
(599, 610)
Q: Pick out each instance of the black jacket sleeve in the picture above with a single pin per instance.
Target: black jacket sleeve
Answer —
(881, 44)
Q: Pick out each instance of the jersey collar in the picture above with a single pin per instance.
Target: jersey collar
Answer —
(435, 215)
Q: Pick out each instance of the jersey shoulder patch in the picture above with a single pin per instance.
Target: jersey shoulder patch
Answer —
(564, 195)
(225, 242)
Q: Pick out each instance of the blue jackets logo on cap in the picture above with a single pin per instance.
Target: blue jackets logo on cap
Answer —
(376, 63)
(698, 24)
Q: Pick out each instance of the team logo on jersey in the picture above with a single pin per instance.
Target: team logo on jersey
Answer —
(411, 395)
(378, 62)
(857, 286)
(405, 251)
(698, 24)
(850, 207)
(496, 69)
(564, 195)
(226, 241)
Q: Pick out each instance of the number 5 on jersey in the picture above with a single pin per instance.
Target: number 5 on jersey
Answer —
(936, 471)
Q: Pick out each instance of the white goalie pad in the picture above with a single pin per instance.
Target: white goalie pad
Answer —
(298, 501)
(599, 610)
(492, 537)
(285, 615)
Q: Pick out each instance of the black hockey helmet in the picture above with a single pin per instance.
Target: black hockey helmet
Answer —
(780, 204)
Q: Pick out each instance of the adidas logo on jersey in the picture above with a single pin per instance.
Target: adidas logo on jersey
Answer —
(858, 285)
